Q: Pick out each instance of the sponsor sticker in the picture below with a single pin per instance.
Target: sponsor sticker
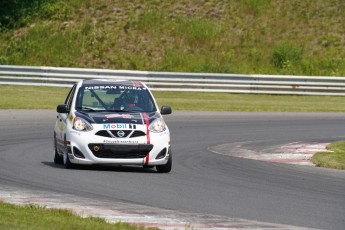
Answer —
(107, 87)
(116, 115)
(128, 116)
(119, 126)
(120, 142)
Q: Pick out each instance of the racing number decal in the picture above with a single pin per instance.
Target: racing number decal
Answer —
(147, 122)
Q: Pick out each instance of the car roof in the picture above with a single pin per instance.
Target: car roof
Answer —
(112, 82)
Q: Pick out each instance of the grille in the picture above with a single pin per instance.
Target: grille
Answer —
(120, 151)
(103, 133)
(117, 133)
(137, 133)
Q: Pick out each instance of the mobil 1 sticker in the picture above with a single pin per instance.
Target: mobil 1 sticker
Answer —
(118, 126)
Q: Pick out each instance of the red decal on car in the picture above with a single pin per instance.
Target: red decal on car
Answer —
(137, 84)
(147, 122)
(147, 159)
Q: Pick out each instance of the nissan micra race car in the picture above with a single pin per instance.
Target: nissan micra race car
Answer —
(109, 122)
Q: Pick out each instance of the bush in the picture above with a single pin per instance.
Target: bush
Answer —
(3, 60)
(16, 13)
(287, 54)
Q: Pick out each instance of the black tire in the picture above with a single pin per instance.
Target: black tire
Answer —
(165, 168)
(57, 158)
(66, 162)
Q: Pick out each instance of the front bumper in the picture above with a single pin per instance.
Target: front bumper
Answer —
(118, 151)
(87, 148)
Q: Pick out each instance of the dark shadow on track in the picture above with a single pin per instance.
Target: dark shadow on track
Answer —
(105, 168)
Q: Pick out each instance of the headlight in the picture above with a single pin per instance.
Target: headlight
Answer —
(157, 125)
(81, 125)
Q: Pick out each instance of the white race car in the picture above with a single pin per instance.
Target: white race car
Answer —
(109, 122)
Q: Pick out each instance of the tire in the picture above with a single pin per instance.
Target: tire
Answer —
(165, 168)
(66, 162)
(57, 158)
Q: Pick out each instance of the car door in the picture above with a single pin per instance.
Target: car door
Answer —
(61, 123)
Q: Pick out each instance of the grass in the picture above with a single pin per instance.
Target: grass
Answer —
(35, 217)
(334, 159)
(249, 36)
(31, 97)
(38, 97)
(249, 102)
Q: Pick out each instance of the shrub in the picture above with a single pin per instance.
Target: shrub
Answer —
(15, 13)
(286, 54)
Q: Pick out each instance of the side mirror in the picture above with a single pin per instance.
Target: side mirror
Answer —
(165, 110)
(62, 109)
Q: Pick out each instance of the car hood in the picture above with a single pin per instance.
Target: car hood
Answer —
(118, 117)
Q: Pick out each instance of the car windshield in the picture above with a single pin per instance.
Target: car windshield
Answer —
(117, 98)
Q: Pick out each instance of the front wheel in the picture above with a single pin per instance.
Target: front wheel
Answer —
(67, 163)
(165, 168)
(57, 158)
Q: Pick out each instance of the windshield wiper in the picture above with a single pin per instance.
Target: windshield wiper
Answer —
(117, 110)
(86, 108)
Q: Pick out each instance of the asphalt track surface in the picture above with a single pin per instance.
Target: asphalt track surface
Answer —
(200, 181)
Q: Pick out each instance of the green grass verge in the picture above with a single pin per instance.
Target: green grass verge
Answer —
(249, 102)
(334, 159)
(249, 36)
(31, 97)
(38, 97)
(34, 217)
